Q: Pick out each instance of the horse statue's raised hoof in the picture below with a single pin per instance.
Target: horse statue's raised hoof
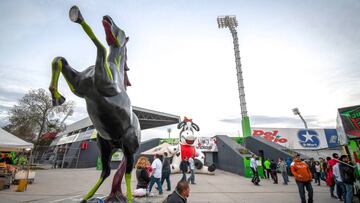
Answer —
(58, 99)
(75, 15)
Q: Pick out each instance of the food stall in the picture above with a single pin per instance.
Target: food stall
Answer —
(9, 173)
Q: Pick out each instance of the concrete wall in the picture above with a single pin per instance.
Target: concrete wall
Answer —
(228, 157)
(270, 150)
(81, 158)
(88, 157)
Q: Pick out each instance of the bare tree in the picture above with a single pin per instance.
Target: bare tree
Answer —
(35, 115)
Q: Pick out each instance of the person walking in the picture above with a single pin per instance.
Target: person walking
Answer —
(267, 168)
(303, 178)
(142, 173)
(165, 172)
(331, 163)
(340, 187)
(317, 173)
(180, 194)
(330, 177)
(347, 174)
(283, 169)
(253, 165)
(192, 170)
(288, 163)
(311, 164)
(322, 169)
(156, 176)
(273, 167)
(184, 164)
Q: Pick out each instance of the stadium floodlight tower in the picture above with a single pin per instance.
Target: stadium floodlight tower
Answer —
(231, 23)
(297, 112)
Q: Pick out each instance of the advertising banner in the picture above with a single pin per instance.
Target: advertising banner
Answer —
(349, 121)
(67, 139)
(332, 137)
(117, 156)
(293, 138)
(206, 144)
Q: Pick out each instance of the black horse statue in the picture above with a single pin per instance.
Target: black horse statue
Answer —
(103, 86)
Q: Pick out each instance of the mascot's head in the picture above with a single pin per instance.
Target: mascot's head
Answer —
(187, 131)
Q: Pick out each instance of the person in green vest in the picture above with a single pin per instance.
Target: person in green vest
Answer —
(267, 168)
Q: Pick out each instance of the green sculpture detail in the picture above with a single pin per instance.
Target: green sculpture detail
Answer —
(103, 86)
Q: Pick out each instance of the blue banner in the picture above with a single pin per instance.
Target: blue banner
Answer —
(332, 138)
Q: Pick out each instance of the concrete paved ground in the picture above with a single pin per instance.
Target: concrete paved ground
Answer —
(67, 185)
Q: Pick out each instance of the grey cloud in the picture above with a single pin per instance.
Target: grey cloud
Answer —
(7, 95)
(3, 115)
(259, 120)
(3, 123)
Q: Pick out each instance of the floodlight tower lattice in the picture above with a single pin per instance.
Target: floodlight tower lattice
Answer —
(231, 23)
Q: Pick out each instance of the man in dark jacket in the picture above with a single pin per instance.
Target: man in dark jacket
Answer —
(273, 167)
(180, 194)
(184, 165)
(166, 171)
(312, 168)
(348, 177)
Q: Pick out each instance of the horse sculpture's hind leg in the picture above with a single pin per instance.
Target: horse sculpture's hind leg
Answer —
(129, 167)
(130, 146)
(60, 65)
(106, 152)
(116, 194)
(125, 167)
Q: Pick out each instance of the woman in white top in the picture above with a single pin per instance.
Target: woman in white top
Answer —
(253, 166)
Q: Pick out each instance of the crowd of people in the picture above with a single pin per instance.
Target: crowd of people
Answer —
(158, 172)
(337, 172)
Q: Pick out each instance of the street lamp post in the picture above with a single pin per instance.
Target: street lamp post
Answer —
(297, 112)
(169, 131)
(231, 23)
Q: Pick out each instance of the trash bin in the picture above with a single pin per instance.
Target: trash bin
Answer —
(22, 185)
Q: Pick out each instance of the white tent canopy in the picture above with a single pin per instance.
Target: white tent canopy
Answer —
(9, 142)
(158, 150)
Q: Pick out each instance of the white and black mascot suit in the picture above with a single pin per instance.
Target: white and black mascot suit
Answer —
(186, 148)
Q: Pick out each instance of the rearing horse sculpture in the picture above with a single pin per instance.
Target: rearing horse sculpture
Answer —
(103, 86)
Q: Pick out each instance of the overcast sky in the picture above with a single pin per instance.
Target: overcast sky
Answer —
(299, 53)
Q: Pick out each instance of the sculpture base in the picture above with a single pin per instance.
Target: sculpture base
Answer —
(98, 198)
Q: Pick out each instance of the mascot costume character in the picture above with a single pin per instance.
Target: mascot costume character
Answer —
(187, 148)
(103, 86)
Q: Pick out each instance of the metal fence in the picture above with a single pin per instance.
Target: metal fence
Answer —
(57, 157)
